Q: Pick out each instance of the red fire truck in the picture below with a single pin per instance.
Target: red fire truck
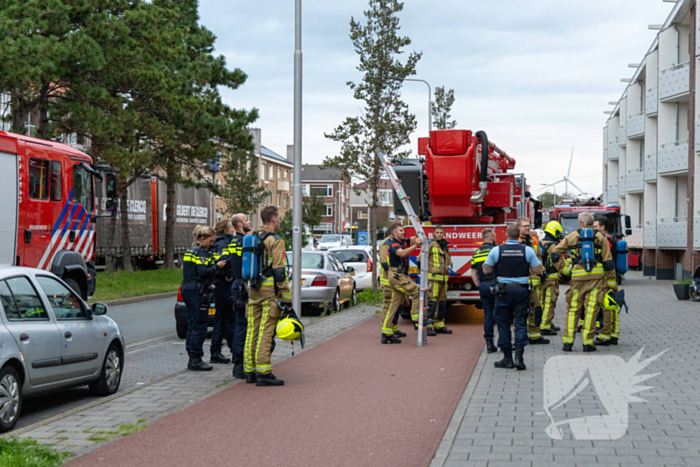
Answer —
(48, 209)
(465, 189)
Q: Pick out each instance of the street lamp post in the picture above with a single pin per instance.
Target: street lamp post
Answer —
(296, 215)
(430, 99)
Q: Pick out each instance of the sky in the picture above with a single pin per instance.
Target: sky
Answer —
(536, 75)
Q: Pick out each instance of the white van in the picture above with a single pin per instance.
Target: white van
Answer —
(334, 240)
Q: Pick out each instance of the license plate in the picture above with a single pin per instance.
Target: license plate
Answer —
(212, 311)
(413, 270)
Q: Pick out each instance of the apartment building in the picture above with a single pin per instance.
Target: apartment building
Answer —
(334, 187)
(360, 198)
(650, 152)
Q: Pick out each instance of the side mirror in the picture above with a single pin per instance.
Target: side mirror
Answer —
(350, 270)
(99, 309)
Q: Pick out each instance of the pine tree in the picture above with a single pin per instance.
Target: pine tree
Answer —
(242, 191)
(441, 108)
(385, 123)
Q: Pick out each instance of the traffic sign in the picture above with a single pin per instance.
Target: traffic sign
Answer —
(362, 238)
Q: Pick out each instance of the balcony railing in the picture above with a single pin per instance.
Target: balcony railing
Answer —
(635, 181)
(650, 234)
(652, 101)
(613, 194)
(673, 158)
(605, 156)
(282, 185)
(672, 232)
(622, 137)
(622, 186)
(636, 240)
(650, 167)
(613, 152)
(635, 125)
(674, 82)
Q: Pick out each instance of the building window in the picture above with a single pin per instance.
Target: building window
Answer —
(286, 200)
(329, 210)
(305, 190)
(263, 166)
(362, 215)
(324, 191)
(323, 229)
(271, 173)
(219, 215)
(279, 199)
(286, 173)
(279, 173)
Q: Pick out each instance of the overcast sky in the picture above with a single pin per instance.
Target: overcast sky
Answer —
(536, 75)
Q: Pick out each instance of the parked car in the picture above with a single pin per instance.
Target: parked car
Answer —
(50, 339)
(334, 240)
(360, 258)
(324, 279)
(181, 315)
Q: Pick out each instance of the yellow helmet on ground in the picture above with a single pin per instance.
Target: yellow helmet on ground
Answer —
(609, 302)
(289, 328)
(555, 229)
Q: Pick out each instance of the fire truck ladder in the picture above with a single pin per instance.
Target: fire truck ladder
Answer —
(415, 221)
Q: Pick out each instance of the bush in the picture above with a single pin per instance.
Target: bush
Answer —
(366, 297)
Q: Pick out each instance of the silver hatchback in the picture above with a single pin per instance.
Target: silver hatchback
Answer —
(50, 339)
(324, 279)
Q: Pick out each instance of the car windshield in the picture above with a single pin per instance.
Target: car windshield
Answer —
(569, 224)
(350, 256)
(330, 238)
(308, 260)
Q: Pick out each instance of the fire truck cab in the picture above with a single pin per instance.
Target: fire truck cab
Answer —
(48, 209)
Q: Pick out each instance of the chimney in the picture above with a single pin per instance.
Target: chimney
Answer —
(257, 139)
(290, 152)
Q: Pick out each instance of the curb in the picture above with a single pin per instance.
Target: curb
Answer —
(142, 298)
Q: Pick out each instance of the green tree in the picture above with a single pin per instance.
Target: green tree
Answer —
(441, 108)
(385, 123)
(285, 231)
(313, 211)
(242, 191)
(549, 199)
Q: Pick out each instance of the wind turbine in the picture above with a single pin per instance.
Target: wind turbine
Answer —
(566, 180)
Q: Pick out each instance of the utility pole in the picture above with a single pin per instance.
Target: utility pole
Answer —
(297, 217)
(430, 99)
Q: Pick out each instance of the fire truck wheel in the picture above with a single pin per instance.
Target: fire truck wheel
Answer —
(74, 285)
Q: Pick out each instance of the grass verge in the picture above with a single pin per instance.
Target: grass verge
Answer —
(29, 453)
(123, 430)
(135, 284)
(366, 297)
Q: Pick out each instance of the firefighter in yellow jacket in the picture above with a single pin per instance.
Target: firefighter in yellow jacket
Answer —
(387, 292)
(588, 281)
(534, 319)
(553, 234)
(438, 275)
(263, 312)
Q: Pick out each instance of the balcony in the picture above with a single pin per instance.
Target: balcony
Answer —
(636, 240)
(673, 158)
(674, 83)
(613, 152)
(635, 181)
(650, 167)
(672, 233)
(650, 234)
(635, 126)
(652, 102)
(622, 137)
(622, 186)
(612, 195)
(282, 185)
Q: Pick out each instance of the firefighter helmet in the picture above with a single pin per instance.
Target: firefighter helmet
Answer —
(555, 229)
(610, 302)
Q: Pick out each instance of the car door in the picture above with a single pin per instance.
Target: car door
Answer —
(83, 340)
(344, 279)
(34, 330)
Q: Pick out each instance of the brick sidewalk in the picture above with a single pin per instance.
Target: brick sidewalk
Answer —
(79, 432)
(501, 420)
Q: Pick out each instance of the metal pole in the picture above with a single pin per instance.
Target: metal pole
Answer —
(296, 217)
(430, 101)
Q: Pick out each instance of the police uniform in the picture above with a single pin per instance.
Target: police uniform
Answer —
(438, 275)
(512, 263)
(550, 285)
(533, 325)
(488, 299)
(391, 326)
(263, 312)
(401, 283)
(239, 296)
(223, 320)
(198, 269)
(587, 288)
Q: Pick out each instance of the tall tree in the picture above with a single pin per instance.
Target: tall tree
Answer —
(285, 231)
(242, 191)
(385, 123)
(441, 108)
(313, 211)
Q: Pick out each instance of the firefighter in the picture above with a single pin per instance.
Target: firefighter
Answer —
(438, 274)
(587, 288)
(609, 318)
(512, 264)
(401, 284)
(553, 234)
(387, 291)
(483, 283)
(534, 320)
(239, 295)
(223, 320)
(263, 312)
(198, 270)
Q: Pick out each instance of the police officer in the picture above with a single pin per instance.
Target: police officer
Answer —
(399, 280)
(512, 264)
(610, 319)
(263, 312)
(198, 270)
(438, 275)
(587, 287)
(223, 320)
(534, 319)
(388, 326)
(553, 233)
(239, 295)
(483, 283)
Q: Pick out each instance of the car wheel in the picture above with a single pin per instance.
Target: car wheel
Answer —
(694, 294)
(10, 398)
(353, 299)
(181, 330)
(111, 374)
(335, 304)
(74, 285)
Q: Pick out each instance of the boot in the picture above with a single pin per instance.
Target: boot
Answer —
(599, 341)
(250, 378)
(548, 332)
(432, 332)
(267, 380)
(196, 364)
(390, 339)
(613, 340)
(555, 328)
(507, 361)
(519, 363)
(219, 358)
(443, 330)
(238, 371)
(541, 340)
(490, 348)
(399, 333)
(589, 348)
(568, 347)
